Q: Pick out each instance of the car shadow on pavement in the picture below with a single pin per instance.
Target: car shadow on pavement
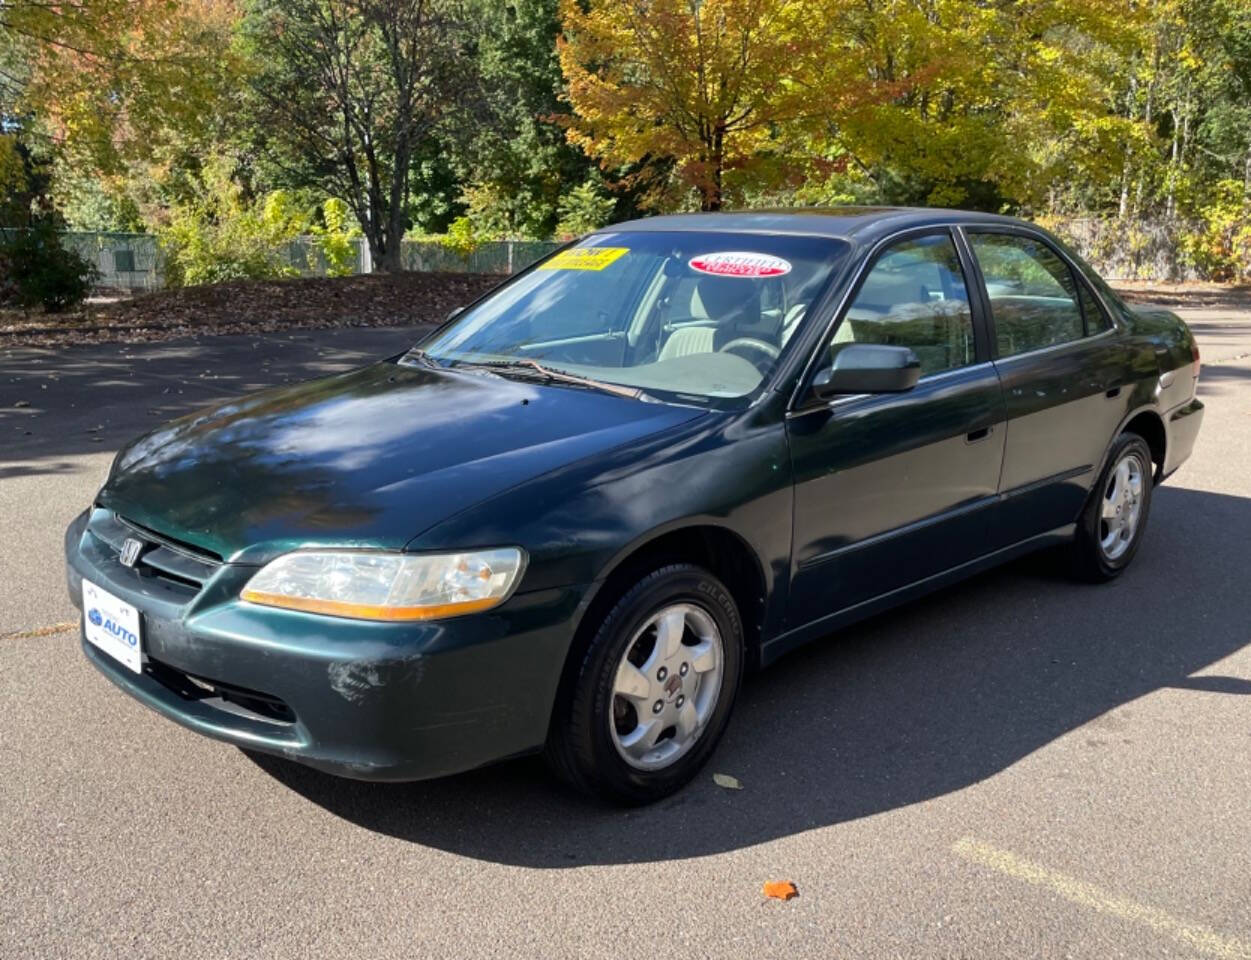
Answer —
(1217, 378)
(912, 705)
(93, 397)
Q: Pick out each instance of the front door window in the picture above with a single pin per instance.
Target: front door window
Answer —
(914, 296)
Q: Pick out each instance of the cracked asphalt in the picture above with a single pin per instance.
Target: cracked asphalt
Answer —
(1019, 766)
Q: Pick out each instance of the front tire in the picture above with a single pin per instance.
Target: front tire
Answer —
(1112, 524)
(653, 690)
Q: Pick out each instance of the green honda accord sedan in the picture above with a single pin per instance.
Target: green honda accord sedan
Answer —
(572, 518)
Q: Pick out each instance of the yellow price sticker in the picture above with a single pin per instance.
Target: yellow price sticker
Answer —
(585, 258)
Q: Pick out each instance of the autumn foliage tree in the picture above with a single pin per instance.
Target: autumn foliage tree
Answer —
(932, 101)
(112, 80)
(710, 85)
(987, 103)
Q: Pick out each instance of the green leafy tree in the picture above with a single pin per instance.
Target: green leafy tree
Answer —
(1179, 118)
(435, 186)
(582, 209)
(461, 238)
(345, 92)
(511, 147)
(25, 181)
(978, 105)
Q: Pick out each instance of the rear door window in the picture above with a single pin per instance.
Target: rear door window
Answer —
(1033, 295)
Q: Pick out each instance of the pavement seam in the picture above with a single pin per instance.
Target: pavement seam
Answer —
(34, 632)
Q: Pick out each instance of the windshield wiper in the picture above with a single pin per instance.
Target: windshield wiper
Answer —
(417, 355)
(548, 373)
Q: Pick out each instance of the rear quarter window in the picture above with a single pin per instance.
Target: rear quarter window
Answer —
(1097, 320)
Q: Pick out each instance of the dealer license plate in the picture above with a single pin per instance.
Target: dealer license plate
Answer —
(112, 625)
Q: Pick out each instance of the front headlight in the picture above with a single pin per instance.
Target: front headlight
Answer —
(387, 586)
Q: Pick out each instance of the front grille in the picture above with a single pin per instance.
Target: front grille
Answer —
(181, 546)
(224, 696)
(173, 561)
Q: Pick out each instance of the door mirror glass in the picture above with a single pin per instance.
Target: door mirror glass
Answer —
(868, 368)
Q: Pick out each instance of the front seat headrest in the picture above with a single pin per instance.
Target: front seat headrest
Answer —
(729, 300)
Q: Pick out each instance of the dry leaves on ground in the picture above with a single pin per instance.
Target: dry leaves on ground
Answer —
(780, 890)
(375, 300)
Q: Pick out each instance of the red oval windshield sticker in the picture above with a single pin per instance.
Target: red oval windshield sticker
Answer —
(738, 264)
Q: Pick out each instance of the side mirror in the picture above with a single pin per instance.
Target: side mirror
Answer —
(868, 368)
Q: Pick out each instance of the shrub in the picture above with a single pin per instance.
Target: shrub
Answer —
(219, 234)
(461, 238)
(37, 270)
(335, 237)
(583, 209)
(1221, 248)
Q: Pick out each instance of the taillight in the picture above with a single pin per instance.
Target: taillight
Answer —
(1194, 355)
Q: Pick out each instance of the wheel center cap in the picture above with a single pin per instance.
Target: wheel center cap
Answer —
(672, 686)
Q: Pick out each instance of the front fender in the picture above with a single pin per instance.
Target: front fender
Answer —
(580, 523)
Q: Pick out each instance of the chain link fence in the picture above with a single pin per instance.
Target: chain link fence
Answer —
(131, 262)
(125, 261)
(504, 257)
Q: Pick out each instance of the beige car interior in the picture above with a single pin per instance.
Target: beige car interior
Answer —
(717, 311)
(895, 308)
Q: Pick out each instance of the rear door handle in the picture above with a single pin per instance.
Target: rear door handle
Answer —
(1112, 392)
(977, 435)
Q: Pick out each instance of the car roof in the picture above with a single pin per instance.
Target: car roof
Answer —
(837, 222)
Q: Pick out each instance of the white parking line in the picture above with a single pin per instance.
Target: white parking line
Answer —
(1194, 935)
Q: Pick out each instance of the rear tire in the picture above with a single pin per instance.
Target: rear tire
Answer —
(1112, 524)
(653, 690)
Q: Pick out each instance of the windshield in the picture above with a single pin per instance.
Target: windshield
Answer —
(698, 315)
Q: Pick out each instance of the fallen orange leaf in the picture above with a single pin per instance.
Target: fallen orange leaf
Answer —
(780, 890)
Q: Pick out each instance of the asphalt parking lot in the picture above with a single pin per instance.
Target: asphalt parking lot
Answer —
(1019, 766)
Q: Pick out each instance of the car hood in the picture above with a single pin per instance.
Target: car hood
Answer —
(366, 459)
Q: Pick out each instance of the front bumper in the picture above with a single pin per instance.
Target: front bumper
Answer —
(372, 701)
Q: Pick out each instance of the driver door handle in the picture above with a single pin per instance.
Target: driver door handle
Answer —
(977, 435)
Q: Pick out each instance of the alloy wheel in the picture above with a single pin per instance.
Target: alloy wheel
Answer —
(1122, 507)
(666, 686)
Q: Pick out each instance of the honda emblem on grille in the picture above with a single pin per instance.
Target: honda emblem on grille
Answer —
(130, 552)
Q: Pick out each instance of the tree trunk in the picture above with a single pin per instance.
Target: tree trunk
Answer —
(392, 259)
(375, 224)
(712, 192)
(376, 246)
(1148, 116)
(1123, 206)
(1170, 201)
